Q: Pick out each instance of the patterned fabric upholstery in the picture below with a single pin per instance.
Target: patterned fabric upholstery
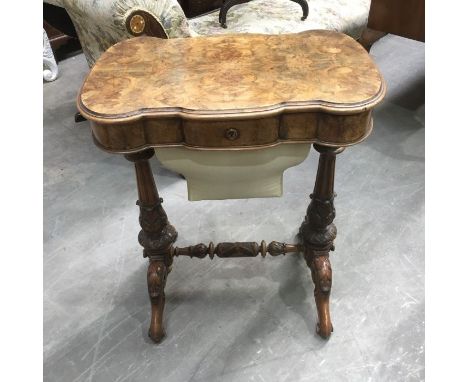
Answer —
(101, 23)
(284, 16)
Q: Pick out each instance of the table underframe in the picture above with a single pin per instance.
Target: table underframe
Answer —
(317, 233)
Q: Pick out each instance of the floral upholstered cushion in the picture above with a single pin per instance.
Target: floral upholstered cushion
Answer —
(284, 16)
(101, 23)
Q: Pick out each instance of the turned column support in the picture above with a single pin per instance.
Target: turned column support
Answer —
(156, 236)
(318, 233)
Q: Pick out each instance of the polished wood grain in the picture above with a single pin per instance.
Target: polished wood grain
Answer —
(233, 76)
(316, 86)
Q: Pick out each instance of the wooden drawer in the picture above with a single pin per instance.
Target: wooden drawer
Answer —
(231, 133)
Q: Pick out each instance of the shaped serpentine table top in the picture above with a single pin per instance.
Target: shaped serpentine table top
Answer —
(316, 86)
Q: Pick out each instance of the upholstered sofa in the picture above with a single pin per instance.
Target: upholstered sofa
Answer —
(102, 23)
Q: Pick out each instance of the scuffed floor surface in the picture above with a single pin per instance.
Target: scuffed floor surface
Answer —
(238, 319)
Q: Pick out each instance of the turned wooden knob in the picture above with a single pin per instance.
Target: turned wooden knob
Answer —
(232, 134)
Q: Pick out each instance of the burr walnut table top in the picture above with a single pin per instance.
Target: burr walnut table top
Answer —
(232, 91)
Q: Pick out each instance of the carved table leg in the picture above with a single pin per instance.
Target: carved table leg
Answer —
(156, 237)
(318, 232)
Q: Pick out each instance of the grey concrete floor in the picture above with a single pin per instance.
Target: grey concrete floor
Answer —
(238, 319)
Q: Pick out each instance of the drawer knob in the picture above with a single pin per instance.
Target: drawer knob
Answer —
(232, 134)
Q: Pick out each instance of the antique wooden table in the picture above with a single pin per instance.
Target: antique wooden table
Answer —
(235, 92)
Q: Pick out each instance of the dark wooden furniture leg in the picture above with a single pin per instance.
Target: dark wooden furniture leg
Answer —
(156, 236)
(225, 8)
(318, 232)
(305, 8)
(79, 118)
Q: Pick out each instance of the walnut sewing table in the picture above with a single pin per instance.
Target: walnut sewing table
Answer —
(235, 92)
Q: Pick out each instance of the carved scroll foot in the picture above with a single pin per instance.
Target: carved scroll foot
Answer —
(322, 277)
(157, 274)
(156, 237)
(318, 233)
